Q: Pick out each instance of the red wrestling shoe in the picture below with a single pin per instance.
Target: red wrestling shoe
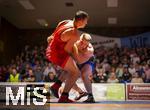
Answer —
(65, 99)
(54, 89)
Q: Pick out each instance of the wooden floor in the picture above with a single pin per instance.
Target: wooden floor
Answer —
(99, 106)
(82, 106)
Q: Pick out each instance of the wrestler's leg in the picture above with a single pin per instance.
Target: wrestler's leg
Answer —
(73, 74)
(80, 92)
(86, 71)
(55, 87)
(77, 88)
(63, 76)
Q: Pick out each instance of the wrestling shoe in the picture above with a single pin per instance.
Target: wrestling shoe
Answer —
(90, 99)
(83, 94)
(54, 89)
(65, 99)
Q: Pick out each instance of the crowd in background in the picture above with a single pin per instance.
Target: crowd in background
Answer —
(112, 65)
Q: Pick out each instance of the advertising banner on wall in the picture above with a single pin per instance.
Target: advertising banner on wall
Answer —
(106, 41)
(101, 92)
(141, 40)
(138, 92)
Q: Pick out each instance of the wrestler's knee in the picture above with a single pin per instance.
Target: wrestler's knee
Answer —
(75, 73)
(84, 75)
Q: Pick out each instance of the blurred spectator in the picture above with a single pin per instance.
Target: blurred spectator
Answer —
(100, 77)
(125, 61)
(49, 68)
(137, 78)
(139, 67)
(51, 77)
(25, 69)
(35, 64)
(114, 62)
(112, 78)
(14, 76)
(38, 73)
(106, 66)
(147, 73)
(98, 67)
(136, 59)
(119, 71)
(132, 70)
(29, 77)
(126, 77)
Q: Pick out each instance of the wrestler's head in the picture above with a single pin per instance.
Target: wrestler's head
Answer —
(80, 19)
(85, 40)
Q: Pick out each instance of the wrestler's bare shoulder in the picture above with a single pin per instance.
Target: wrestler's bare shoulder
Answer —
(69, 34)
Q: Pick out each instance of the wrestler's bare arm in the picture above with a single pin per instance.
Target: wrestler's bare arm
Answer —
(76, 52)
(83, 55)
(90, 49)
(70, 37)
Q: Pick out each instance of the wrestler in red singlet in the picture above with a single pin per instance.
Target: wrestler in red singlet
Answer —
(59, 52)
(55, 51)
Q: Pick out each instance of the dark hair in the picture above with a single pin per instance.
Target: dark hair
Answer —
(30, 69)
(13, 68)
(80, 15)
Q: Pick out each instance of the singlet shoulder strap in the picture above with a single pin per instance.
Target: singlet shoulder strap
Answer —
(62, 28)
(63, 23)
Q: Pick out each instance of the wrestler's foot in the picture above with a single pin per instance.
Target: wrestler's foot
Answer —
(65, 99)
(54, 89)
(90, 99)
(81, 95)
